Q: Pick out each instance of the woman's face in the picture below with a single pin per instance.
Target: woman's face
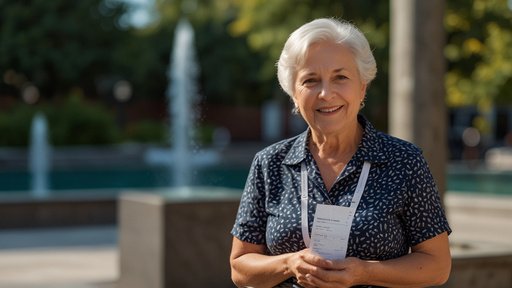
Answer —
(328, 89)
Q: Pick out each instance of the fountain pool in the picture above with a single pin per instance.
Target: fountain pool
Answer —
(480, 182)
(115, 179)
(232, 176)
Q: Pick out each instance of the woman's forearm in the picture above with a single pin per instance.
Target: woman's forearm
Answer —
(429, 264)
(413, 270)
(258, 270)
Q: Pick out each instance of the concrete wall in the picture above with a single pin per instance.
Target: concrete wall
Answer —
(175, 242)
(72, 210)
(483, 271)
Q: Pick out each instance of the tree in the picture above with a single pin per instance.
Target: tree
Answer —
(478, 53)
(58, 44)
(480, 61)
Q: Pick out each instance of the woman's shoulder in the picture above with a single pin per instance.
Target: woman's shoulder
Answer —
(385, 145)
(392, 145)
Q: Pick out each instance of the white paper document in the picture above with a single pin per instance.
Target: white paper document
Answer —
(331, 229)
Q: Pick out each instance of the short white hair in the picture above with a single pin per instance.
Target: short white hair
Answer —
(324, 29)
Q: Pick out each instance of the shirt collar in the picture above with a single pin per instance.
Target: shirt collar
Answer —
(298, 151)
(370, 148)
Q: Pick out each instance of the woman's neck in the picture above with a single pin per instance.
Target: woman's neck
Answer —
(339, 146)
(333, 152)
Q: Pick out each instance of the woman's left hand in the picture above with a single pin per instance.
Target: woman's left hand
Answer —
(339, 274)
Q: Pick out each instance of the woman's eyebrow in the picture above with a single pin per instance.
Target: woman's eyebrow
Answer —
(307, 74)
(313, 73)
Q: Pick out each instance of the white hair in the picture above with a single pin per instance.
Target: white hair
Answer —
(324, 29)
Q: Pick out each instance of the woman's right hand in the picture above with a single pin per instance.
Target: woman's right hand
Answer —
(250, 266)
(303, 263)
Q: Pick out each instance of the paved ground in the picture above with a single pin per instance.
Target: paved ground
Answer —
(84, 257)
(87, 257)
(481, 222)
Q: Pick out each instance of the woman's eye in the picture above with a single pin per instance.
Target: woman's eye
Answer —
(309, 81)
(341, 77)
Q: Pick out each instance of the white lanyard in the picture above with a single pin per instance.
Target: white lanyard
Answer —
(304, 197)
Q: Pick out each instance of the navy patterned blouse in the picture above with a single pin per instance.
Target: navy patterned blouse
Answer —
(400, 206)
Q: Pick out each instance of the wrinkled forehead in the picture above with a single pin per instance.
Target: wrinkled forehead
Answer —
(326, 55)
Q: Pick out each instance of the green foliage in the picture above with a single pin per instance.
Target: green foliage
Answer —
(15, 126)
(72, 122)
(478, 52)
(148, 131)
(143, 60)
(59, 44)
(204, 134)
(229, 69)
(76, 122)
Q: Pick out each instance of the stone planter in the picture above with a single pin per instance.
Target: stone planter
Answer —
(480, 265)
(177, 238)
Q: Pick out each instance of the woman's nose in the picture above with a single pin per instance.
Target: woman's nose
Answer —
(325, 90)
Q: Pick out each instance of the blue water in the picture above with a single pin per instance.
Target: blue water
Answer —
(121, 178)
(482, 182)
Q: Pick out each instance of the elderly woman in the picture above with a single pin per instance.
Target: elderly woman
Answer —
(341, 204)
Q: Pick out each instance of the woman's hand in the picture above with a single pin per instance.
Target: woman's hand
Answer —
(303, 263)
(326, 273)
(250, 266)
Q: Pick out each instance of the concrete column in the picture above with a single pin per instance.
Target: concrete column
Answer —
(417, 104)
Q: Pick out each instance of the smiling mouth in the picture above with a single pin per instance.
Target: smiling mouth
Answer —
(329, 110)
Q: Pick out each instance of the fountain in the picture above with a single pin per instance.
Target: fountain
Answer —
(39, 157)
(182, 96)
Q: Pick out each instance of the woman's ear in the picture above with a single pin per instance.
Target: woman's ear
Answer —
(363, 95)
(295, 109)
(363, 89)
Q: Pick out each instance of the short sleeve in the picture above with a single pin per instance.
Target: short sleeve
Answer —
(423, 213)
(251, 219)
